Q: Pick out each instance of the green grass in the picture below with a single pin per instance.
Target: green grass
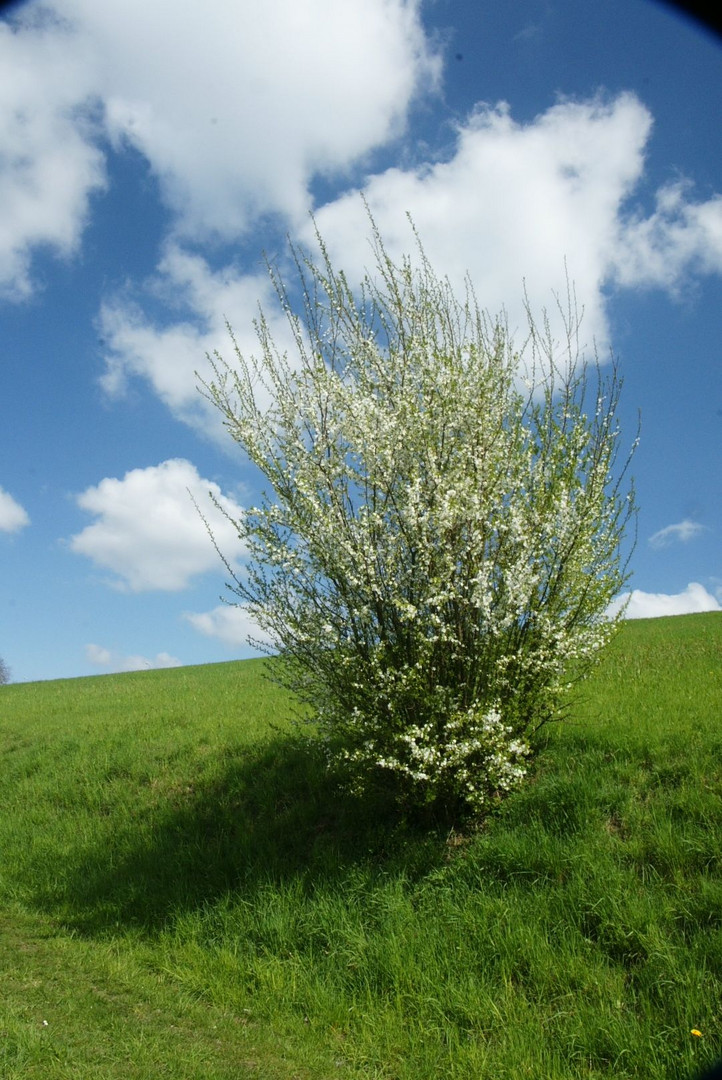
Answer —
(184, 894)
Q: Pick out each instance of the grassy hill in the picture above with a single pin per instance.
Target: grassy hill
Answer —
(184, 894)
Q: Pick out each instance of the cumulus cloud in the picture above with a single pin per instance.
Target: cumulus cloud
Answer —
(679, 235)
(285, 92)
(13, 516)
(171, 357)
(148, 531)
(50, 162)
(230, 624)
(512, 204)
(518, 206)
(520, 202)
(682, 532)
(644, 605)
(113, 661)
(234, 105)
(279, 91)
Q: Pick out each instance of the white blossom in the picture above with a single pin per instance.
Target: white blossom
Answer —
(442, 536)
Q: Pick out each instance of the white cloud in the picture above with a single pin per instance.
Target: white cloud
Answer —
(51, 165)
(511, 204)
(149, 533)
(96, 654)
(682, 532)
(13, 516)
(678, 236)
(643, 605)
(235, 106)
(169, 357)
(514, 205)
(281, 93)
(230, 624)
(516, 202)
(113, 661)
(278, 91)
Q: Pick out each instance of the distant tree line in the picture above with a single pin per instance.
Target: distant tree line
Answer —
(4, 672)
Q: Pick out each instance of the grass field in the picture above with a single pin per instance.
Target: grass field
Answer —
(184, 894)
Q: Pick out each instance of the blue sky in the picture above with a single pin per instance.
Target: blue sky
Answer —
(149, 154)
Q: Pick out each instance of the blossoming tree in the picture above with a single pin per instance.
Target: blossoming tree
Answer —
(441, 532)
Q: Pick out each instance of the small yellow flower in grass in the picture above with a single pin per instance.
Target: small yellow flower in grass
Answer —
(696, 1032)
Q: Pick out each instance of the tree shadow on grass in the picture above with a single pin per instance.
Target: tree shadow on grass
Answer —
(273, 813)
